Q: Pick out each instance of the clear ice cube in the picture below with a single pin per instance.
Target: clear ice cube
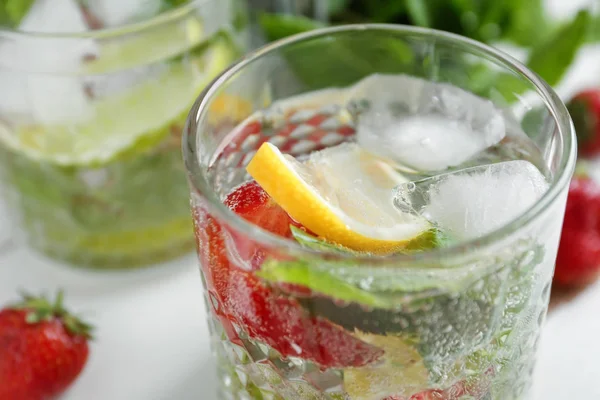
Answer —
(472, 202)
(424, 125)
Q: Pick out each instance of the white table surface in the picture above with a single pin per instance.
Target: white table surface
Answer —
(152, 340)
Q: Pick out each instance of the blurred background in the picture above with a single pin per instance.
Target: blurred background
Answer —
(93, 97)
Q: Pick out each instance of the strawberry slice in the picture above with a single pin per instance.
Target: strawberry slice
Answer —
(471, 391)
(254, 205)
(266, 314)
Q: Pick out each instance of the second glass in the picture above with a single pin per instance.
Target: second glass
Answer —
(91, 121)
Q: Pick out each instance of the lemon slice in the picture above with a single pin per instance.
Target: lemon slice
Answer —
(402, 371)
(137, 118)
(343, 194)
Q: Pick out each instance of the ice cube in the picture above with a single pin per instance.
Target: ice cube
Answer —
(424, 125)
(51, 98)
(472, 202)
(119, 12)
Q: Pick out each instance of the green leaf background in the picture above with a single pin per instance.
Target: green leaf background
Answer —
(552, 44)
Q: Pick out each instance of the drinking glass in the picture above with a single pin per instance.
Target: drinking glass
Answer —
(90, 126)
(466, 319)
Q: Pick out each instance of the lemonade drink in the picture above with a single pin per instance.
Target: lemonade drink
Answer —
(390, 239)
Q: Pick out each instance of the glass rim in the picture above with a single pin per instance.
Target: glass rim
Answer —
(221, 212)
(155, 21)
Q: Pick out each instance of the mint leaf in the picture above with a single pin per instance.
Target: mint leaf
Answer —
(342, 280)
(336, 6)
(345, 279)
(552, 58)
(502, 88)
(305, 274)
(419, 12)
(489, 306)
(345, 59)
(428, 240)
(309, 241)
(528, 24)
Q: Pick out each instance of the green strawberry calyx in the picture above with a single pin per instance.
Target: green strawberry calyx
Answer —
(40, 309)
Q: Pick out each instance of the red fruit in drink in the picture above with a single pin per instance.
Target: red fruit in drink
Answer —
(429, 395)
(578, 260)
(264, 313)
(585, 111)
(254, 205)
(432, 394)
(473, 391)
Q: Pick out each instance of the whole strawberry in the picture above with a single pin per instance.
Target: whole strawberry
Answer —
(578, 260)
(42, 349)
(585, 111)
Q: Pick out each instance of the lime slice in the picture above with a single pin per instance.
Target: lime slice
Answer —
(401, 374)
(152, 45)
(135, 119)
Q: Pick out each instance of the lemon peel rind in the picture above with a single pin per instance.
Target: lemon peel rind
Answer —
(269, 168)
